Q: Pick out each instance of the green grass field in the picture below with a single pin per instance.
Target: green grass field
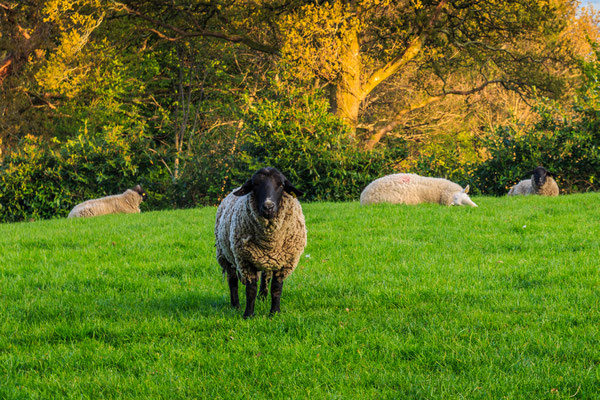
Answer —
(388, 302)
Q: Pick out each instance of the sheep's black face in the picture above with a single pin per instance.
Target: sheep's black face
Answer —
(267, 185)
(138, 189)
(268, 190)
(539, 176)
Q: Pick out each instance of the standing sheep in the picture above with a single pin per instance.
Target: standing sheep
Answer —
(415, 189)
(260, 228)
(541, 183)
(127, 203)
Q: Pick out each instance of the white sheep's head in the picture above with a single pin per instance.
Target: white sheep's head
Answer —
(267, 186)
(462, 198)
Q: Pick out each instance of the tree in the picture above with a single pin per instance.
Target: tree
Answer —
(383, 59)
(40, 41)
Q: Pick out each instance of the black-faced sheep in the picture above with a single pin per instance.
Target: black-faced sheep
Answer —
(541, 183)
(260, 228)
(415, 189)
(126, 203)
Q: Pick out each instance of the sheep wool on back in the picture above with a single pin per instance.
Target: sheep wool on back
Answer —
(522, 188)
(549, 188)
(126, 203)
(409, 189)
(251, 243)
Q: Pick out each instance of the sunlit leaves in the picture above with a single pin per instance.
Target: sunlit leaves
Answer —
(315, 38)
(76, 20)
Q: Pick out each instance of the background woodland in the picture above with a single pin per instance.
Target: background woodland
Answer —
(188, 97)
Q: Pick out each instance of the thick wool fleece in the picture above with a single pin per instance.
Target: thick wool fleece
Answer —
(125, 203)
(409, 189)
(248, 243)
(528, 186)
(522, 188)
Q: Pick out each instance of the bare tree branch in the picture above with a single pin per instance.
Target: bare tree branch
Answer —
(42, 99)
(376, 137)
(413, 49)
(200, 33)
(4, 68)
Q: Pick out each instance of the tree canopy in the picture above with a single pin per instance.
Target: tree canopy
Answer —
(383, 59)
(199, 85)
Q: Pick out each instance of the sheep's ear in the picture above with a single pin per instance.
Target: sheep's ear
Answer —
(289, 188)
(548, 173)
(139, 190)
(466, 189)
(245, 189)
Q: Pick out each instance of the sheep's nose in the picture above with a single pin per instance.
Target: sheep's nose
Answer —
(269, 205)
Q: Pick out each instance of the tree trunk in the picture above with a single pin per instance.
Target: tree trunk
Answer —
(346, 92)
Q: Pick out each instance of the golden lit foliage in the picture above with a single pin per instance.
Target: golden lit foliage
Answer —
(315, 38)
(407, 55)
(62, 74)
(385, 62)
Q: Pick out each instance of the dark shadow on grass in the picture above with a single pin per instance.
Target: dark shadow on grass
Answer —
(187, 304)
(48, 244)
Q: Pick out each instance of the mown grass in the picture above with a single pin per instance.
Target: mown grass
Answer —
(388, 302)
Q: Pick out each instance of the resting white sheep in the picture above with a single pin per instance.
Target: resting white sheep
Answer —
(127, 203)
(541, 183)
(260, 228)
(415, 189)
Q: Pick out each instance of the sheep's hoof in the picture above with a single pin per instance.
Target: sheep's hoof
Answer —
(272, 313)
(262, 295)
(246, 316)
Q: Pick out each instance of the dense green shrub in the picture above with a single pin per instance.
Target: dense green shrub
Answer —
(313, 148)
(42, 181)
(566, 142)
(567, 145)
(568, 149)
(447, 156)
(30, 184)
(208, 172)
(297, 135)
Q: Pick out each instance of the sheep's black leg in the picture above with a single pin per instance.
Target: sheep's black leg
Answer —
(233, 290)
(276, 289)
(251, 289)
(262, 292)
(264, 283)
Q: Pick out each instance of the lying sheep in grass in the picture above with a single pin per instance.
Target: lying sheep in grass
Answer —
(541, 183)
(260, 228)
(127, 203)
(415, 189)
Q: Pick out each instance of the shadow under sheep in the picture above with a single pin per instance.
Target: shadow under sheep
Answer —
(189, 303)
